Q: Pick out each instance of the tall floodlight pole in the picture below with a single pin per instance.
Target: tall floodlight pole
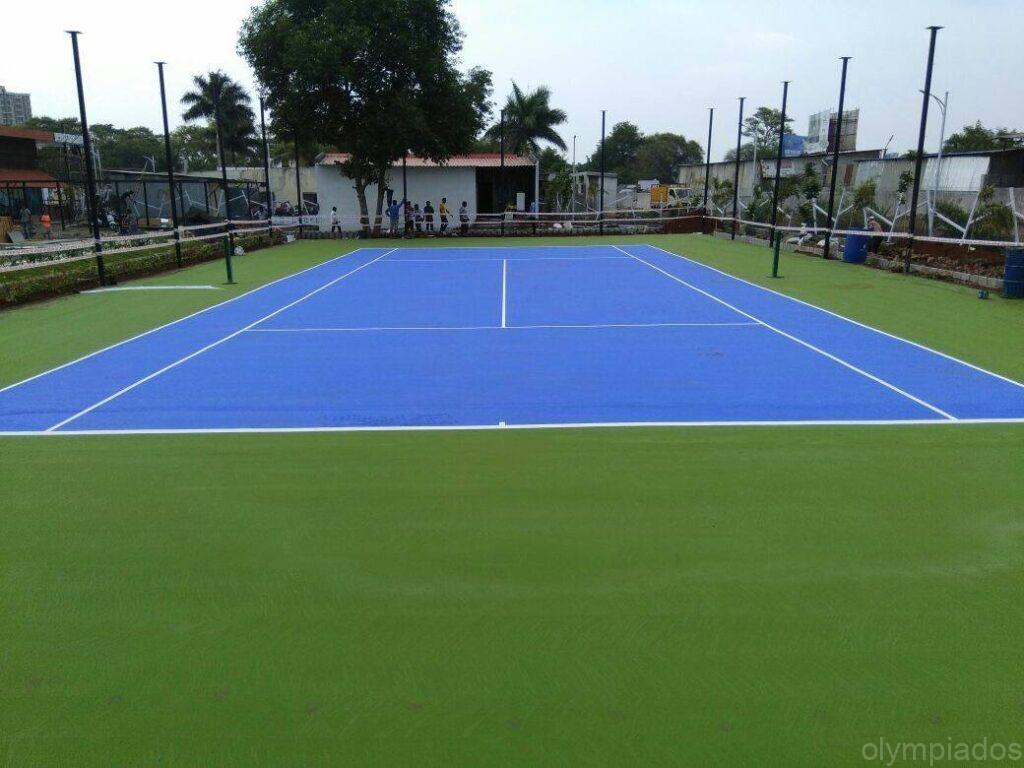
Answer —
(600, 212)
(920, 148)
(501, 174)
(736, 172)
(298, 180)
(266, 165)
(170, 165)
(835, 159)
(707, 164)
(572, 187)
(943, 103)
(90, 179)
(776, 240)
(229, 249)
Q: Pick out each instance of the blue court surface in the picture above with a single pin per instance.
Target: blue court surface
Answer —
(505, 337)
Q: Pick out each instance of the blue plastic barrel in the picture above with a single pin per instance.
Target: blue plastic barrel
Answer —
(855, 251)
(1013, 274)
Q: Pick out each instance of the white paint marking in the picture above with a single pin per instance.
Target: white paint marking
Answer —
(175, 322)
(504, 293)
(210, 346)
(977, 368)
(116, 288)
(362, 329)
(555, 425)
(799, 341)
(402, 260)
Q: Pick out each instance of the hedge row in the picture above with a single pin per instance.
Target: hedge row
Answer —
(61, 278)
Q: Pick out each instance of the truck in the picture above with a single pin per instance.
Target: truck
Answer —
(670, 196)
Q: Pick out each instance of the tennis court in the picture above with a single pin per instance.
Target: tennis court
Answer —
(493, 337)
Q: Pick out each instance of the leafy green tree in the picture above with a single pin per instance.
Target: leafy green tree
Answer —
(661, 155)
(56, 125)
(369, 78)
(632, 156)
(763, 128)
(129, 148)
(194, 147)
(529, 120)
(977, 138)
(216, 91)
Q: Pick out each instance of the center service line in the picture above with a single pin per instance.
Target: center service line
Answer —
(504, 292)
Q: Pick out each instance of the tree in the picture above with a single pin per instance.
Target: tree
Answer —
(55, 125)
(216, 93)
(194, 148)
(975, 138)
(633, 156)
(661, 155)
(529, 120)
(763, 128)
(129, 148)
(345, 74)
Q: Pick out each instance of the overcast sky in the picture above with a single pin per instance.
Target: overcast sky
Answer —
(658, 63)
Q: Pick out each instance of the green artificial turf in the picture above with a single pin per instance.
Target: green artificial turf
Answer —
(758, 596)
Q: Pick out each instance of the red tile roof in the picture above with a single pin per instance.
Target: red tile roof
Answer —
(31, 178)
(11, 132)
(469, 160)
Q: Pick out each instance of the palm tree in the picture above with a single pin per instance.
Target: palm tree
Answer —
(237, 121)
(529, 120)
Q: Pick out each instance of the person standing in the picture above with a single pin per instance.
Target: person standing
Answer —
(464, 218)
(394, 211)
(428, 216)
(417, 216)
(26, 221)
(407, 213)
(443, 212)
(46, 222)
(335, 223)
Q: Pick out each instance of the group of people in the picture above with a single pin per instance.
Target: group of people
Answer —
(406, 219)
(25, 219)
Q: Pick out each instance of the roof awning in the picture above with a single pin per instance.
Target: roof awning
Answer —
(20, 177)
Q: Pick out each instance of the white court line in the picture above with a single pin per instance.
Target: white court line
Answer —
(504, 292)
(175, 322)
(417, 260)
(978, 368)
(116, 288)
(505, 426)
(373, 328)
(220, 341)
(799, 341)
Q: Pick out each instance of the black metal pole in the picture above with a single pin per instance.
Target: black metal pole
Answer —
(501, 179)
(405, 197)
(298, 181)
(170, 167)
(266, 166)
(600, 210)
(778, 181)
(835, 159)
(736, 173)
(90, 179)
(224, 178)
(707, 164)
(920, 148)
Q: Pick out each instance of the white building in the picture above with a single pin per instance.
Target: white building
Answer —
(474, 178)
(15, 108)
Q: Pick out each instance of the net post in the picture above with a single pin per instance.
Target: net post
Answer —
(920, 148)
(266, 169)
(776, 246)
(778, 176)
(835, 159)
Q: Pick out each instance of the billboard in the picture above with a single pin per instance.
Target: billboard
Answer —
(787, 169)
(793, 145)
